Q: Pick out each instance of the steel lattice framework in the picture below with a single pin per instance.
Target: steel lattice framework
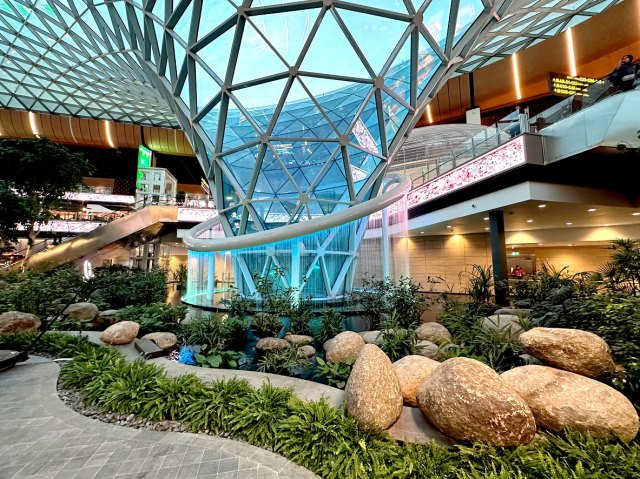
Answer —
(294, 108)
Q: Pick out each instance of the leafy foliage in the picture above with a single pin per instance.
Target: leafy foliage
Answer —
(331, 324)
(335, 374)
(154, 317)
(54, 344)
(622, 273)
(208, 331)
(238, 306)
(398, 342)
(282, 361)
(300, 314)
(266, 325)
(480, 282)
(219, 359)
(119, 286)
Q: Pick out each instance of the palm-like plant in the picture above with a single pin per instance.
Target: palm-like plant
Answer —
(623, 271)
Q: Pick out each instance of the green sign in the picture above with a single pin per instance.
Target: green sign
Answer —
(144, 157)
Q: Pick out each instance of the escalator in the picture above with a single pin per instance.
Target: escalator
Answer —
(135, 228)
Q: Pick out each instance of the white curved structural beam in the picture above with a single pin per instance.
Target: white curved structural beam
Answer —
(191, 240)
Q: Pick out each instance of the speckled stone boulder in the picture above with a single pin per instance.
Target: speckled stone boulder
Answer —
(562, 400)
(521, 313)
(15, 321)
(372, 395)
(573, 350)
(434, 332)
(106, 318)
(120, 333)
(306, 351)
(272, 344)
(506, 325)
(468, 401)
(162, 340)
(344, 346)
(427, 349)
(81, 311)
(298, 339)
(371, 337)
(412, 371)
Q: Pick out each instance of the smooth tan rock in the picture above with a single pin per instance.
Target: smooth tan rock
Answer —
(562, 400)
(412, 371)
(272, 344)
(468, 401)
(371, 337)
(298, 339)
(306, 351)
(427, 349)
(81, 311)
(372, 395)
(434, 332)
(162, 340)
(17, 321)
(506, 325)
(521, 313)
(120, 333)
(344, 346)
(573, 350)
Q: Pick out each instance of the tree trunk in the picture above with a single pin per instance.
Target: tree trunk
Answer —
(31, 238)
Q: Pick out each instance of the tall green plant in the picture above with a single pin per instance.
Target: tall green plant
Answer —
(622, 273)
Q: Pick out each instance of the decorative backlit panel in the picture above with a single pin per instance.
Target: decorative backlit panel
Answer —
(501, 159)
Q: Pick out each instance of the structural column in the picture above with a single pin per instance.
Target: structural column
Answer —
(211, 276)
(499, 256)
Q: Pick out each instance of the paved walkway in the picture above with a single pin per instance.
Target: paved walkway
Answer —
(42, 438)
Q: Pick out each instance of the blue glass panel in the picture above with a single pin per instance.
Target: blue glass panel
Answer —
(428, 62)
(238, 129)
(261, 100)
(436, 19)
(394, 114)
(273, 179)
(256, 59)
(394, 5)
(468, 12)
(330, 38)
(234, 216)
(216, 54)
(206, 87)
(210, 123)
(230, 197)
(241, 165)
(287, 31)
(214, 12)
(376, 36)
(304, 159)
(182, 27)
(398, 78)
(366, 132)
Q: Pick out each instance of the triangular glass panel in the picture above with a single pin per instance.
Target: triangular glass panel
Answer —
(301, 118)
(238, 130)
(210, 123)
(394, 114)
(229, 196)
(428, 62)
(272, 178)
(256, 59)
(334, 178)
(344, 60)
(233, 217)
(241, 164)
(393, 5)
(398, 77)
(182, 27)
(304, 159)
(214, 12)
(376, 36)
(206, 87)
(436, 19)
(287, 31)
(468, 12)
(216, 54)
(260, 100)
(366, 132)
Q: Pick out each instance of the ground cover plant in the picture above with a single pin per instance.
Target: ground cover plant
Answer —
(332, 445)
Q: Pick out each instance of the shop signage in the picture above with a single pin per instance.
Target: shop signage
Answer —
(567, 85)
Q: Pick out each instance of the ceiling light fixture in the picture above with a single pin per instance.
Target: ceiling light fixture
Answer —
(486, 218)
(568, 223)
(635, 213)
(529, 221)
(591, 210)
(486, 229)
(449, 226)
(542, 206)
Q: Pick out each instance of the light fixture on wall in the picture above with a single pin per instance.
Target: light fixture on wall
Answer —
(529, 221)
(542, 206)
(568, 223)
(591, 210)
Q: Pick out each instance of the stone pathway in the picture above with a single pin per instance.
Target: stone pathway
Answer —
(42, 438)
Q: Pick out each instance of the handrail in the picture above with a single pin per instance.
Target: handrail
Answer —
(294, 230)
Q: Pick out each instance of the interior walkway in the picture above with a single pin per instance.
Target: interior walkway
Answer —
(42, 438)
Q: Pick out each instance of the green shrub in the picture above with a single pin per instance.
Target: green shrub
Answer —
(218, 359)
(55, 344)
(132, 388)
(266, 325)
(398, 342)
(119, 286)
(154, 317)
(207, 331)
(335, 374)
(238, 306)
(300, 315)
(259, 414)
(170, 396)
(89, 365)
(281, 362)
(331, 324)
(404, 298)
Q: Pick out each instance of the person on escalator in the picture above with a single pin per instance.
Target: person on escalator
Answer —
(623, 75)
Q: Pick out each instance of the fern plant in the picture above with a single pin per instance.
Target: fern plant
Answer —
(335, 374)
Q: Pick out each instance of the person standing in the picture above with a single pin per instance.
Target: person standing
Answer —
(623, 75)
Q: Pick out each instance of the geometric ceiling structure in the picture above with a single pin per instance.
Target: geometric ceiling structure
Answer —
(293, 108)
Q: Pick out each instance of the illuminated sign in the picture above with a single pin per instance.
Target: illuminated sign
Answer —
(567, 85)
(144, 157)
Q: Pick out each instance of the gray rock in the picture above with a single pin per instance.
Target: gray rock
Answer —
(427, 349)
(506, 325)
(272, 344)
(298, 339)
(306, 351)
(81, 311)
(372, 337)
(17, 321)
(162, 339)
(522, 313)
(434, 332)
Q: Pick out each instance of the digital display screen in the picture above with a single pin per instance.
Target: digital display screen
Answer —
(567, 85)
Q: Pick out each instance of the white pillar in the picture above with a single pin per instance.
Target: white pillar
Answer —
(385, 244)
(211, 275)
(295, 269)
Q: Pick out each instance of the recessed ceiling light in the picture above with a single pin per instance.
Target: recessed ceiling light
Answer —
(449, 226)
(421, 232)
(568, 223)
(635, 213)
(591, 210)
(607, 224)
(486, 218)
(529, 221)
(542, 206)
(540, 244)
(570, 244)
(486, 229)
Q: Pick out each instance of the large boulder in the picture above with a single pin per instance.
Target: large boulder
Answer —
(573, 350)
(372, 395)
(412, 371)
(81, 311)
(343, 347)
(15, 321)
(562, 400)
(521, 313)
(120, 333)
(272, 344)
(105, 318)
(162, 340)
(298, 339)
(434, 332)
(372, 337)
(306, 351)
(427, 349)
(468, 401)
(506, 325)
